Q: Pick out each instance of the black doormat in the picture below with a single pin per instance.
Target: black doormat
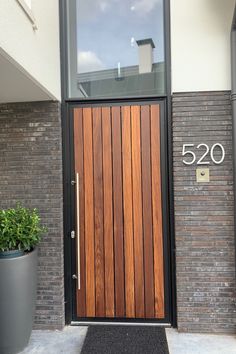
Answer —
(125, 339)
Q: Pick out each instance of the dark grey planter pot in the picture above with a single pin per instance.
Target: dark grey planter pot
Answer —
(18, 280)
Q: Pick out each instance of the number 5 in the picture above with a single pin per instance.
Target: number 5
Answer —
(185, 152)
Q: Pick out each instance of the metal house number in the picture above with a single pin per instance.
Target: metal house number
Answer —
(188, 151)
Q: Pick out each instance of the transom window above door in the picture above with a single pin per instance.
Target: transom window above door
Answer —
(115, 48)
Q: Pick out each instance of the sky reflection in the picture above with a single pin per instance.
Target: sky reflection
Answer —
(107, 31)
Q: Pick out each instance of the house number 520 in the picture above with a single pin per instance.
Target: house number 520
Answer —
(187, 152)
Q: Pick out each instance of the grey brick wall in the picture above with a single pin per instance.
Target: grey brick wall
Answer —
(204, 222)
(31, 172)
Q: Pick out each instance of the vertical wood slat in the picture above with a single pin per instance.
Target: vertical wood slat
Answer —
(89, 212)
(118, 214)
(108, 212)
(137, 212)
(157, 212)
(128, 212)
(147, 212)
(79, 168)
(98, 212)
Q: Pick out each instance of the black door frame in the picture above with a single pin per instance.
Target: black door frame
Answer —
(67, 138)
(165, 209)
(69, 212)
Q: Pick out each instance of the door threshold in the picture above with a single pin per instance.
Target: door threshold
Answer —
(110, 323)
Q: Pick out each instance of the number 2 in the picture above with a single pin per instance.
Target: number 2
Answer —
(200, 162)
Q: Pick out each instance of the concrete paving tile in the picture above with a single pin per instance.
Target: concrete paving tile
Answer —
(68, 341)
(194, 343)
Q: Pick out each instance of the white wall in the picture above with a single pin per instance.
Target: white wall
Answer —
(36, 51)
(200, 44)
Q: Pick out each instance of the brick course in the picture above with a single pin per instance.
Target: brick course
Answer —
(31, 172)
(204, 216)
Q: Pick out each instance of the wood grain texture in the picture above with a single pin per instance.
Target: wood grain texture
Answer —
(108, 212)
(137, 213)
(128, 212)
(117, 156)
(79, 168)
(98, 212)
(157, 212)
(147, 212)
(89, 212)
(118, 213)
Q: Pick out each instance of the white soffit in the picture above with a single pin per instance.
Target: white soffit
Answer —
(17, 85)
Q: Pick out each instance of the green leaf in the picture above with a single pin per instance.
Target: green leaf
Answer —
(20, 228)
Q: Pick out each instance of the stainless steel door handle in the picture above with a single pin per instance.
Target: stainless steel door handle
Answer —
(78, 229)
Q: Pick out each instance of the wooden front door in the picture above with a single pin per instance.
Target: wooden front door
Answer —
(119, 212)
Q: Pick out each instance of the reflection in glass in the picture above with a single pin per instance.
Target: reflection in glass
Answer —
(115, 48)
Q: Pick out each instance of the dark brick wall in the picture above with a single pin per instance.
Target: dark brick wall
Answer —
(31, 172)
(204, 216)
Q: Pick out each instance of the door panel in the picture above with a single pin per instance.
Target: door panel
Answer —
(157, 213)
(137, 211)
(118, 212)
(79, 167)
(128, 212)
(108, 212)
(147, 211)
(117, 157)
(98, 211)
(89, 213)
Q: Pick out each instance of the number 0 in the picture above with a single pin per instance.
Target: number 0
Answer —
(212, 153)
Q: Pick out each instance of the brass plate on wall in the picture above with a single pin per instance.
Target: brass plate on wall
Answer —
(202, 175)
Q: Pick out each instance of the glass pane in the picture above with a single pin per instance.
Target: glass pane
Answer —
(115, 48)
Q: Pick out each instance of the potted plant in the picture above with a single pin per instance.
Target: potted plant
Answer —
(20, 231)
